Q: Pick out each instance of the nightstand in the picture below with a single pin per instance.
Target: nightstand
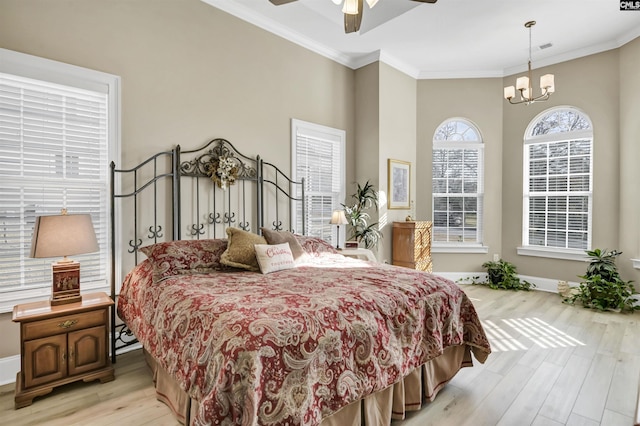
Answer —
(62, 344)
(359, 253)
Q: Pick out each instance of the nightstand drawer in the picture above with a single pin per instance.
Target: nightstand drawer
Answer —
(64, 324)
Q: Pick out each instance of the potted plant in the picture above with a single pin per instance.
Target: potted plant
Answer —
(502, 275)
(362, 231)
(602, 287)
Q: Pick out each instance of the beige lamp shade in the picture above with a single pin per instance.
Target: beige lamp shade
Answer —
(63, 235)
(338, 218)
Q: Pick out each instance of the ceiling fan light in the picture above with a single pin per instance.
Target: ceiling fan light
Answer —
(371, 3)
(350, 7)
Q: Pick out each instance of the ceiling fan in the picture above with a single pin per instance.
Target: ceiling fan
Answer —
(352, 11)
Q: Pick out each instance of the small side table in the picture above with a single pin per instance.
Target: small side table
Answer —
(359, 253)
(62, 344)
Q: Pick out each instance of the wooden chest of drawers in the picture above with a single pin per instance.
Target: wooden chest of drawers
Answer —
(412, 245)
(62, 344)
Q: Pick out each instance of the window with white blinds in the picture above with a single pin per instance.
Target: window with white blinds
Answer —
(457, 185)
(318, 156)
(54, 154)
(558, 181)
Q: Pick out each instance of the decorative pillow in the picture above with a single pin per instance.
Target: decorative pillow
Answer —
(240, 252)
(279, 237)
(178, 257)
(314, 246)
(274, 257)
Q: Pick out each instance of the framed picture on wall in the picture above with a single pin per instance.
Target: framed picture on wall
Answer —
(399, 185)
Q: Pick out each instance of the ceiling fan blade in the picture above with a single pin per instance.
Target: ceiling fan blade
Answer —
(279, 2)
(426, 1)
(352, 22)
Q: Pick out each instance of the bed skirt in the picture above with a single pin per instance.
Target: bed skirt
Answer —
(422, 384)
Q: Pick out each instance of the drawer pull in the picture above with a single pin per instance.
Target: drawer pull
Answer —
(68, 323)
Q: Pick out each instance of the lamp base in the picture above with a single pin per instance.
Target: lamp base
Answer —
(66, 283)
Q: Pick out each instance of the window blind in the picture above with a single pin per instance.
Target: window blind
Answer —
(557, 181)
(458, 184)
(318, 157)
(53, 155)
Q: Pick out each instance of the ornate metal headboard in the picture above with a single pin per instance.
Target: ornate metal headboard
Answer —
(192, 195)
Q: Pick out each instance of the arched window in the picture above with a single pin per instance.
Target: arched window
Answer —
(457, 185)
(557, 200)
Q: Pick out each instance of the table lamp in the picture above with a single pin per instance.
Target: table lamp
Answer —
(338, 218)
(61, 236)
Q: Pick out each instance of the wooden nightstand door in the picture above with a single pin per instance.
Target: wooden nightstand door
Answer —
(87, 350)
(45, 360)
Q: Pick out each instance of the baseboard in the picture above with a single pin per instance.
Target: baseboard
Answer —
(9, 367)
(542, 284)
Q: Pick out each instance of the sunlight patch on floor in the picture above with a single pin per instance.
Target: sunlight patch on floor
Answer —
(534, 329)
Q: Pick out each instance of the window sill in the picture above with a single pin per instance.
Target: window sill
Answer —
(553, 253)
(459, 248)
(636, 263)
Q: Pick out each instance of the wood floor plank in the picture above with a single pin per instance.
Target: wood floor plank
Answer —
(499, 400)
(534, 377)
(611, 418)
(624, 385)
(562, 397)
(543, 421)
(525, 407)
(595, 389)
(577, 420)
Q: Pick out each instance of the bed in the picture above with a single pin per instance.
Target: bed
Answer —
(246, 320)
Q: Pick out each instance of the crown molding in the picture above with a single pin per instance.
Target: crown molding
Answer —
(354, 62)
(250, 16)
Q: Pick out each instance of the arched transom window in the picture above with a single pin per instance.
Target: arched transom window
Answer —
(457, 184)
(557, 202)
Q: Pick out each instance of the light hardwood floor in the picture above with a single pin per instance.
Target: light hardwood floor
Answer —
(552, 364)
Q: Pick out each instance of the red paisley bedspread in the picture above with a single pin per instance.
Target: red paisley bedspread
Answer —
(294, 346)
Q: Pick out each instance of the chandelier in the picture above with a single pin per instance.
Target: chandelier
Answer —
(523, 84)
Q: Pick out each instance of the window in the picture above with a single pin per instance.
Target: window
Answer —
(457, 189)
(318, 156)
(557, 184)
(56, 136)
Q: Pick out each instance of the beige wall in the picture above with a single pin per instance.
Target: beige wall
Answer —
(480, 101)
(398, 106)
(189, 73)
(629, 219)
(591, 85)
(385, 128)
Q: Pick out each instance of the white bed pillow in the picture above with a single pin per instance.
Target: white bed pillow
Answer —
(274, 257)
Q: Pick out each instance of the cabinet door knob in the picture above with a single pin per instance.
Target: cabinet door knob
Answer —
(68, 323)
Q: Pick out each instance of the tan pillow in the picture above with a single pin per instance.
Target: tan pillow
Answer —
(240, 252)
(274, 257)
(279, 237)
